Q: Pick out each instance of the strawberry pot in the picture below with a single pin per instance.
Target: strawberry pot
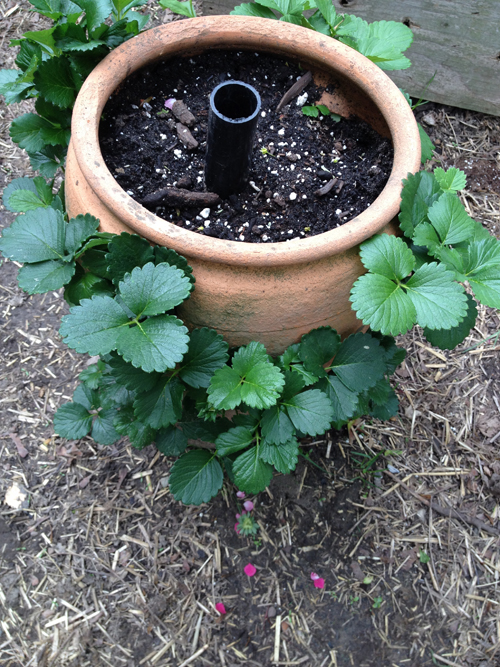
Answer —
(272, 293)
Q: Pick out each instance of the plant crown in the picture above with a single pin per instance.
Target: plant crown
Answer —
(156, 382)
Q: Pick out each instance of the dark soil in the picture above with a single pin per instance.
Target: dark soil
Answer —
(144, 153)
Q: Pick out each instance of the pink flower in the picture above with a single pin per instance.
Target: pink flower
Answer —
(220, 608)
(248, 505)
(236, 528)
(318, 581)
(250, 570)
(170, 102)
(240, 494)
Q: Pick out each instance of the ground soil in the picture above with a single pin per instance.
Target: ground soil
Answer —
(100, 566)
(145, 155)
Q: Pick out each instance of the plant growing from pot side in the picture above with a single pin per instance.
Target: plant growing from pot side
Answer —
(155, 381)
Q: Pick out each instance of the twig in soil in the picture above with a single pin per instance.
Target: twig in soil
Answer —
(182, 113)
(186, 137)
(295, 90)
(326, 188)
(446, 511)
(179, 197)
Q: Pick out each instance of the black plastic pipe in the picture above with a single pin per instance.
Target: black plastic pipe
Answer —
(232, 122)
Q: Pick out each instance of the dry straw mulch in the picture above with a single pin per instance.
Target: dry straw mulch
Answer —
(101, 567)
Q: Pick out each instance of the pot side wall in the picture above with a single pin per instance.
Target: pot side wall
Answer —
(272, 305)
(272, 293)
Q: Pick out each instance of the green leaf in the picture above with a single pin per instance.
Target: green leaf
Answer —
(439, 301)
(42, 37)
(49, 8)
(234, 440)
(161, 406)
(310, 412)
(156, 344)
(61, 118)
(199, 429)
(327, 11)
(96, 11)
(426, 236)
(139, 434)
(262, 385)
(360, 362)
(382, 304)
(27, 52)
(94, 260)
(195, 477)
(91, 376)
(174, 259)
(78, 230)
(251, 473)
(252, 9)
(420, 191)
(45, 276)
(56, 82)
(247, 357)
(35, 236)
(94, 326)
(394, 355)
(86, 397)
(283, 457)
(452, 179)
(207, 352)
(85, 286)
(225, 389)
(126, 252)
(152, 290)
(386, 410)
(312, 111)
(344, 400)
(182, 8)
(449, 218)
(317, 348)
(12, 86)
(252, 379)
(294, 384)
(171, 441)
(131, 377)
(448, 339)
(482, 270)
(25, 131)
(387, 256)
(21, 195)
(48, 160)
(393, 33)
(426, 145)
(72, 421)
(276, 426)
(103, 430)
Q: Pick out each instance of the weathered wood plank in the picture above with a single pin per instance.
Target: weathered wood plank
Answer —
(457, 40)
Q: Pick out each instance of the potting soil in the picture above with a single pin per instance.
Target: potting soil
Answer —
(294, 157)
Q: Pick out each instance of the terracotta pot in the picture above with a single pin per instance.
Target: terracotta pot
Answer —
(276, 292)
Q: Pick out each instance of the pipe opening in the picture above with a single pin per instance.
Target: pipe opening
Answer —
(235, 101)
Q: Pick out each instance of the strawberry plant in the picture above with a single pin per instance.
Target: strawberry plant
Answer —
(156, 382)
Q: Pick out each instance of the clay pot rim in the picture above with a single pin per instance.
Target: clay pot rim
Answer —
(252, 33)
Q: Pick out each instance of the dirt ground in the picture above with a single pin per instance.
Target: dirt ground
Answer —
(100, 566)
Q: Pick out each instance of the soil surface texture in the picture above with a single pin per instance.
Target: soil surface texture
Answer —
(294, 157)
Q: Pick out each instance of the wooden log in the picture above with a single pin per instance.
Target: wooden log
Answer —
(457, 41)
